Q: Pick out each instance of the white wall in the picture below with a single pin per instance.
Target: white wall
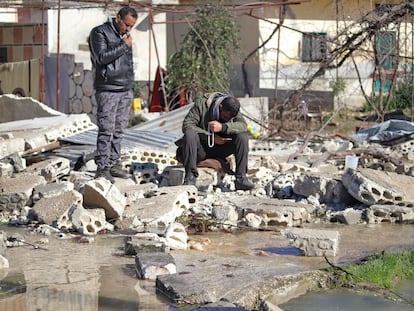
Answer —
(8, 15)
(76, 24)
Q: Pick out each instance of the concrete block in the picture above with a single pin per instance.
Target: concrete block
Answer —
(101, 193)
(137, 191)
(11, 145)
(160, 211)
(191, 190)
(172, 176)
(313, 242)
(176, 236)
(390, 213)
(51, 190)
(16, 192)
(51, 169)
(85, 221)
(18, 163)
(150, 265)
(371, 187)
(144, 243)
(348, 216)
(6, 169)
(161, 158)
(49, 210)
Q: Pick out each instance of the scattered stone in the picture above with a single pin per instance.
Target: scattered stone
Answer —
(313, 242)
(150, 265)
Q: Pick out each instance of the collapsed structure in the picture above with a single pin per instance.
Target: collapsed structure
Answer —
(49, 181)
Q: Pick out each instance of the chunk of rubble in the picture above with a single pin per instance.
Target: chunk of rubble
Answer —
(313, 242)
(274, 212)
(51, 190)
(176, 236)
(371, 187)
(50, 209)
(51, 169)
(101, 192)
(349, 216)
(16, 192)
(85, 221)
(160, 210)
(150, 265)
(144, 243)
(378, 213)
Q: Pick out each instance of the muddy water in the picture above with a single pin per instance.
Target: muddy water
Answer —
(343, 300)
(70, 275)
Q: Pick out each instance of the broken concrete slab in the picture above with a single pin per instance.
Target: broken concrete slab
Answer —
(14, 108)
(239, 279)
(378, 213)
(51, 190)
(159, 210)
(314, 242)
(176, 236)
(51, 169)
(375, 187)
(17, 192)
(150, 265)
(144, 243)
(50, 209)
(274, 212)
(101, 192)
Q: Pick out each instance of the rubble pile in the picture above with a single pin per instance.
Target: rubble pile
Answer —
(159, 214)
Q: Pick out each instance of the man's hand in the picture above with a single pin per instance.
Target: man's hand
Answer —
(128, 39)
(221, 140)
(215, 126)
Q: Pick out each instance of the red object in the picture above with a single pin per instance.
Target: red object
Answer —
(157, 99)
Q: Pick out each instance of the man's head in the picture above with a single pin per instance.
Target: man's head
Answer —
(229, 108)
(126, 19)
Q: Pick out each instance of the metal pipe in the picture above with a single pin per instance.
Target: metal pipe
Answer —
(58, 61)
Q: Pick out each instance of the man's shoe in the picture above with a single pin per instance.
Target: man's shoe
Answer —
(242, 183)
(117, 171)
(192, 180)
(105, 173)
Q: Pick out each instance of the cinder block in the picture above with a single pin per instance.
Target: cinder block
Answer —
(102, 193)
(313, 242)
(51, 169)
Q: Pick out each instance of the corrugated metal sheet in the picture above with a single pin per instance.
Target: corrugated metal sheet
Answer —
(160, 133)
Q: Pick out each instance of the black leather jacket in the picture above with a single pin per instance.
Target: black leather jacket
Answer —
(112, 59)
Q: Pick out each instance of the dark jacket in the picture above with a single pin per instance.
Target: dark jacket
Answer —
(199, 116)
(112, 59)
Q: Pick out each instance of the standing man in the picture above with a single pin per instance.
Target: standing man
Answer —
(111, 55)
(215, 128)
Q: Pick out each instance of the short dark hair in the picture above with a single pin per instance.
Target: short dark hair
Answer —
(127, 10)
(231, 104)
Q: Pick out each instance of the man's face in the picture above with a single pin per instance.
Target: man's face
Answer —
(225, 115)
(125, 25)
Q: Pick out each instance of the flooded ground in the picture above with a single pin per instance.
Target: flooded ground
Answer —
(344, 300)
(67, 274)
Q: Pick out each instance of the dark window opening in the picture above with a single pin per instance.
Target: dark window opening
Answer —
(3, 55)
(315, 47)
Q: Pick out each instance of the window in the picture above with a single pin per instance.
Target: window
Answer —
(385, 49)
(3, 55)
(314, 47)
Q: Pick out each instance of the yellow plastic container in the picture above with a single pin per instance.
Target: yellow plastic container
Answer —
(252, 130)
(136, 104)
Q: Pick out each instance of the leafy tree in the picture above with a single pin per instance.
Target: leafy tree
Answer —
(203, 62)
